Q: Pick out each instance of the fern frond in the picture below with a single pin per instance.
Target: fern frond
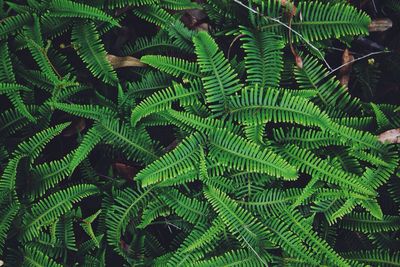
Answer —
(35, 258)
(66, 8)
(258, 105)
(310, 139)
(151, 83)
(34, 145)
(93, 112)
(163, 100)
(49, 209)
(47, 175)
(175, 163)
(330, 92)
(6, 69)
(375, 257)
(202, 236)
(89, 141)
(321, 21)
(88, 44)
(179, 4)
(174, 66)
(234, 258)
(308, 162)
(366, 223)
(190, 209)
(155, 14)
(152, 211)
(188, 120)
(8, 214)
(126, 206)
(135, 143)
(236, 152)
(240, 222)
(219, 79)
(13, 24)
(88, 228)
(263, 58)
(112, 4)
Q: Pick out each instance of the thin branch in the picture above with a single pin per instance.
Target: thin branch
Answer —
(289, 28)
(357, 59)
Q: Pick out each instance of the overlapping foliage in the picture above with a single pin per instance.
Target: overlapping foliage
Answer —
(270, 163)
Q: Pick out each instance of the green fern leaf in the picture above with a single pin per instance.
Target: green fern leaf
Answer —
(87, 41)
(66, 8)
(263, 57)
(174, 66)
(49, 209)
(219, 79)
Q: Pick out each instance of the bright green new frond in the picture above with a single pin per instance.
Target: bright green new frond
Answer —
(190, 209)
(240, 154)
(219, 79)
(179, 161)
(7, 180)
(360, 139)
(173, 66)
(259, 105)
(163, 100)
(362, 123)
(52, 207)
(66, 8)
(90, 48)
(263, 58)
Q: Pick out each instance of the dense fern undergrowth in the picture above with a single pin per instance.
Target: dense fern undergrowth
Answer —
(234, 146)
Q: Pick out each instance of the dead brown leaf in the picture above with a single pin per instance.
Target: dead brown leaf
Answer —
(76, 126)
(123, 62)
(344, 73)
(380, 25)
(391, 136)
(124, 170)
